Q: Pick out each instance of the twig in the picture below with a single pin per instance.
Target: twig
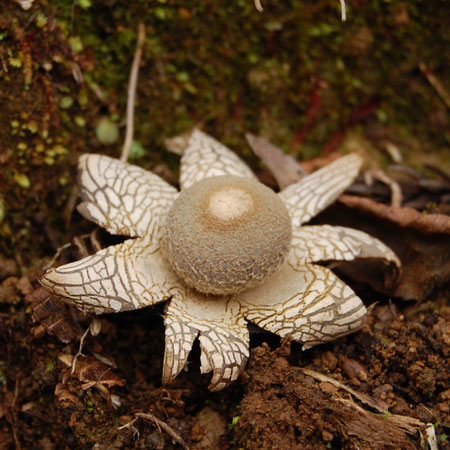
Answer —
(160, 424)
(396, 191)
(430, 435)
(406, 423)
(14, 414)
(393, 311)
(59, 250)
(4, 66)
(364, 398)
(77, 73)
(69, 207)
(94, 327)
(80, 349)
(437, 85)
(132, 93)
(258, 5)
(343, 11)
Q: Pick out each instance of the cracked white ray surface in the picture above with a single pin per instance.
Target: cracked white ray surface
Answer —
(221, 330)
(123, 198)
(119, 278)
(315, 192)
(204, 157)
(310, 304)
(334, 243)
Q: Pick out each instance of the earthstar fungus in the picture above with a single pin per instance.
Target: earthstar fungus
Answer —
(223, 252)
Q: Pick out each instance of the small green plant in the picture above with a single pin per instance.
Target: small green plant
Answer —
(50, 366)
(234, 422)
(2, 374)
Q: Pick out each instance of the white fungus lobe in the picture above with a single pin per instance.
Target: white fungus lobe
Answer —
(226, 234)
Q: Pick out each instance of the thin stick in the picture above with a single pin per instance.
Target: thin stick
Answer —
(435, 83)
(410, 424)
(59, 250)
(396, 190)
(80, 350)
(343, 11)
(14, 417)
(132, 93)
(160, 424)
(258, 5)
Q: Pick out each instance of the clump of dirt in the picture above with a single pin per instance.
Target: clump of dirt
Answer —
(398, 363)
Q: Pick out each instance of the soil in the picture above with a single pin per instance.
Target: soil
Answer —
(293, 74)
(400, 358)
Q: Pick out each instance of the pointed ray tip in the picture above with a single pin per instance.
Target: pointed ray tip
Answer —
(218, 386)
(47, 279)
(354, 158)
(167, 375)
(200, 135)
(84, 158)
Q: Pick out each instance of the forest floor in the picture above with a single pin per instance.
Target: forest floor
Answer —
(300, 78)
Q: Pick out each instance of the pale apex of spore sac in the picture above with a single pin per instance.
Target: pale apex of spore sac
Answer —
(226, 234)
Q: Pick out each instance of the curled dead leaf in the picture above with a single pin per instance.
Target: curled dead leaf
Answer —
(53, 315)
(90, 371)
(284, 168)
(63, 394)
(209, 425)
(422, 242)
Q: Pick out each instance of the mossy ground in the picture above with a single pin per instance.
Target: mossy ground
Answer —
(293, 73)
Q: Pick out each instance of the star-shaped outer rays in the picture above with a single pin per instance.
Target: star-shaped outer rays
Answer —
(302, 299)
(222, 332)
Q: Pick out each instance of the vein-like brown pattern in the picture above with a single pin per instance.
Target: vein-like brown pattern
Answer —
(118, 278)
(123, 198)
(333, 243)
(205, 157)
(310, 304)
(315, 192)
(222, 332)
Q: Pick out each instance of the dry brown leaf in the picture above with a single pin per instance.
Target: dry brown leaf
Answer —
(284, 168)
(63, 394)
(53, 315)
(90, 371)
(209, 425)
(421, 242)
